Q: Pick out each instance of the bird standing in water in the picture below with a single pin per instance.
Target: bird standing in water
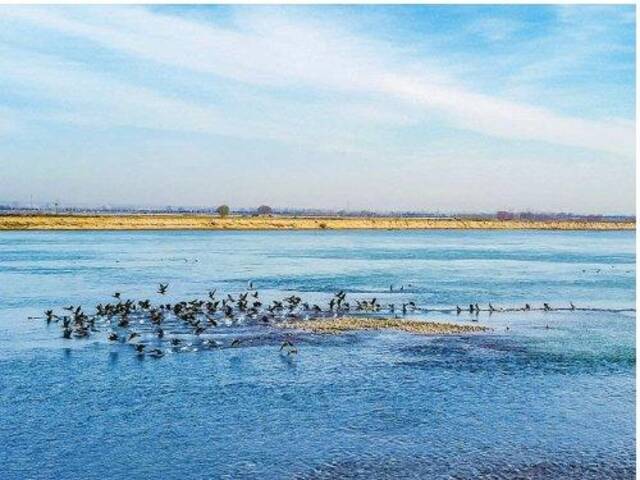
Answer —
(155, 353)
(288, 347)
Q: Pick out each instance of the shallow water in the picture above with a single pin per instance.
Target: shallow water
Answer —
(529, 402)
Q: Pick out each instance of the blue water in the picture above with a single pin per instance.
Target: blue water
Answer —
(528, 402)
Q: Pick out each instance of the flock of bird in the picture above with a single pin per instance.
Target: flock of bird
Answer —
(154, 329)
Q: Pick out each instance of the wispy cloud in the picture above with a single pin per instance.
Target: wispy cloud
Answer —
(404, 108)
(289, 52)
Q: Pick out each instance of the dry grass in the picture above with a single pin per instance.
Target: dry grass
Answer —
(208, 222)
(345, 324)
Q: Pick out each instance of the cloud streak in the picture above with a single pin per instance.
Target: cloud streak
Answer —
(288, 52)
(388, 108)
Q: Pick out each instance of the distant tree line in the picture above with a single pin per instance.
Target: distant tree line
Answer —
(224, 211)
(561, 216)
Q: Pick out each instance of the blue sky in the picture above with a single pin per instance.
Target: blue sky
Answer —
(450, 108)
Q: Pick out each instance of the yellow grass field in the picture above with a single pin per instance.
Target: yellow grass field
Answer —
(210, 222)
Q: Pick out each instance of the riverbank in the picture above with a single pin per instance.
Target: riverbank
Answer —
(208, 222)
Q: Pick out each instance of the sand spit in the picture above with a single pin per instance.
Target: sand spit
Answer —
(209, 222)
(345, 324)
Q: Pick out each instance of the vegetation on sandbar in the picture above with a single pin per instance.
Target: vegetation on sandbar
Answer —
(344, 324)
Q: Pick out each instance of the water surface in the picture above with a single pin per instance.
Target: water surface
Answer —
(529, 402)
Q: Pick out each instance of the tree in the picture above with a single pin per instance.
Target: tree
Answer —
(223, 210)
(264, 210)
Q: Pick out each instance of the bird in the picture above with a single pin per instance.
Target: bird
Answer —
(527, 307)
(210, 343)
(573, 307)
(197, 316)
(155, 353)
(546, 307)
(289, 347)
(199, 330)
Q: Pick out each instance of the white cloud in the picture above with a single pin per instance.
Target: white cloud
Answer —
(518, 121)
(277, 51)
(75, 96)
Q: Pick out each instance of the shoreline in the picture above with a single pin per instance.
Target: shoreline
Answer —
(20, 222)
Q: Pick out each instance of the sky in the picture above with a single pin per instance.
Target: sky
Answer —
(423, 107)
